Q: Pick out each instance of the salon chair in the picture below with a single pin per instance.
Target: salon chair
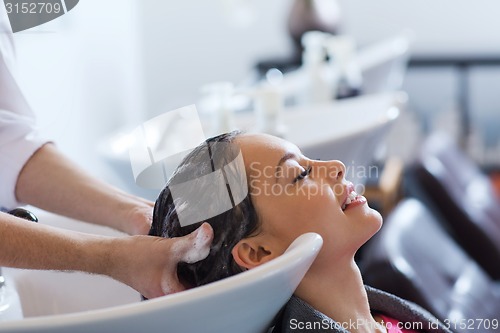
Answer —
(413, 257)
(456, 190)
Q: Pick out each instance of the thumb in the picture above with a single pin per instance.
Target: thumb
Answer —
(190, 248)
(195, 246)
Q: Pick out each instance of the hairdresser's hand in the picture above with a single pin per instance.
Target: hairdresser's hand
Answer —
(149, 264)
(137, 220)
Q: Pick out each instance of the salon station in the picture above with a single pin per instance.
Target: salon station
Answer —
(402, 93)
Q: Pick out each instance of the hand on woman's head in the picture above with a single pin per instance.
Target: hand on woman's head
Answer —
(149, 264)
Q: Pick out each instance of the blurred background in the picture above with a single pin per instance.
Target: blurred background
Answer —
(114, 63)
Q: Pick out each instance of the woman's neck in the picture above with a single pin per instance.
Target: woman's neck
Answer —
(339, 293)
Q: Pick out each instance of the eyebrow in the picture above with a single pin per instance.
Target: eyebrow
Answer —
(282, 160)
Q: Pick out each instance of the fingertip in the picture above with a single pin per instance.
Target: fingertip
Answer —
(197, 246)
(205, 232)
(204, 239)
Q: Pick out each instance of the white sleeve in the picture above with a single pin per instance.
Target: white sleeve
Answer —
(18, 142)
(18, 136)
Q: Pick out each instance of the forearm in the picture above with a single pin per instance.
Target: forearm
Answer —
(147, 264)
(52, 182)
(35, 246)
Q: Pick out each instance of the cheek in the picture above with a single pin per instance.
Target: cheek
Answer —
(321, 200)
(297, 210)
(281, 220)
(314, 211)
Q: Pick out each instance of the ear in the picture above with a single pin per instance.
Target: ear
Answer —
(249, 253)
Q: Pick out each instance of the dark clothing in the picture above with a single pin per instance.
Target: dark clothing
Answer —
(298, 316)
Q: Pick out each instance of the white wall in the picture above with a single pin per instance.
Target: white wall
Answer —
(189, 43)
(81, 74)
(442, 26)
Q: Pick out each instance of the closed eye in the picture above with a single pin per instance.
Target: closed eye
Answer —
(303, 175)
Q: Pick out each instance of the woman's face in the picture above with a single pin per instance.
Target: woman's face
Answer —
(294, 195)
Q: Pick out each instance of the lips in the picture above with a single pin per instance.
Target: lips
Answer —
(351, 197)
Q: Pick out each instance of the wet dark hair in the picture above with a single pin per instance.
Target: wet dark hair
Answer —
(229, 227)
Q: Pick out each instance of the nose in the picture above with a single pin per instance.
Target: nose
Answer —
(334, 171)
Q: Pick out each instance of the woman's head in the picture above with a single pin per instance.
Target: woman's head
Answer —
(288, 195)
(229, 226)
(293, 194)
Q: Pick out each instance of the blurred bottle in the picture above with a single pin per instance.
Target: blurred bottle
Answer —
(304, 16)
(346, 79)
(218, 102)
(312, 15)
(316, 85)
(268, 103)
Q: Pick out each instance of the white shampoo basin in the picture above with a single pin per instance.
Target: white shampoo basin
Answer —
(58, 302)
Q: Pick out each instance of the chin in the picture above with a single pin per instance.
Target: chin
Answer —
(374, 221)
(376, 217)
